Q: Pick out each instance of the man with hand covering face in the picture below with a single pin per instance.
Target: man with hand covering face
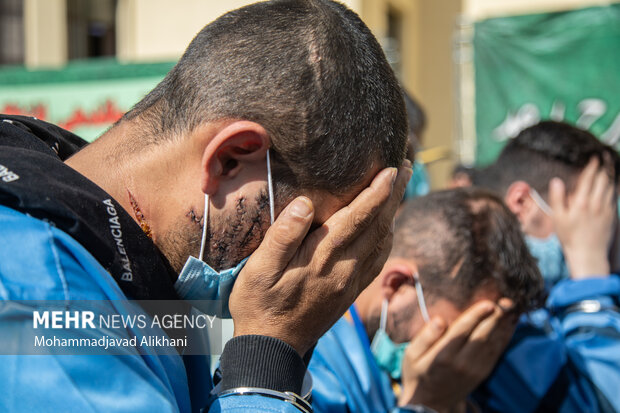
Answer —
(561, 183)
(250, 147)
(439, 314)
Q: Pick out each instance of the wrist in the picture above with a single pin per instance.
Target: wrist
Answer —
(289, 339)
(408, 397)
(261, 362)
(586, 265)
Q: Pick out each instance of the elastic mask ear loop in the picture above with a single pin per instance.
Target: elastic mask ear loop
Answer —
(538, 200)
(383, 319)
(421, 301)
(204, 227)
(270, 188)
(206, 214)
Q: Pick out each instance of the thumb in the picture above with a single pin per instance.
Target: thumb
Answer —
(557, 196)
(283, 238)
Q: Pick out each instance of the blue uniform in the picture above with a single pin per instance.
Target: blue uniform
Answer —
(40, 262)
(563, 358)
(345, 376)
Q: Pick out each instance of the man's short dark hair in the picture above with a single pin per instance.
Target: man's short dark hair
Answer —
(309, 71)
(546, 150)
(463, 240)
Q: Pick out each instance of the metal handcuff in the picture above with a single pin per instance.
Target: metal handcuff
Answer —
(294, 399)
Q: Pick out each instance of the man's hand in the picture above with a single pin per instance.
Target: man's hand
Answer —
(295, 287)
(441, 367)
(583, 221)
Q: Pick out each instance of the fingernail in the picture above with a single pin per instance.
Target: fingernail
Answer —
(506, 303)
(393, 175)
(301, 208)
(407, 163)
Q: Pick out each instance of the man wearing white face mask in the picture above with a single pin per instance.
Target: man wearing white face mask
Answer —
(439, 314)
(263, 172)
(522, 174)
(561, 182)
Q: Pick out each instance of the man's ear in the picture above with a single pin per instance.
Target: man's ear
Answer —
(518, 199)
(232, 145)
(395, 275)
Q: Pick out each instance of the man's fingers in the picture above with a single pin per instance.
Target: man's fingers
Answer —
(489, 338)
(609, 198)
(454, 338)
(338, 231)
(585, 181)
(373, 236)
(347, 225)
(283, 238)
(375, 243)
(599, 190)
(557, 196)
(426, 338)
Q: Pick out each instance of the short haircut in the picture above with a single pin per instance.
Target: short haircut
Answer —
(463, 240)
(309, 71)
(546, 150)
(461, 169)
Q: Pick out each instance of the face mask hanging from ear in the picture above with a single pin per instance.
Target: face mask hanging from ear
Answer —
(547, 251)
(199, 282)
(389, 355)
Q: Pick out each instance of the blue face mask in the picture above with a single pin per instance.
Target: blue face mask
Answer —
(551, 263)
(210, 288)
(389, 355)
(548, 251)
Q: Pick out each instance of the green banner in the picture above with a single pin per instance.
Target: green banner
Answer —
(560, 66)
(85, 97)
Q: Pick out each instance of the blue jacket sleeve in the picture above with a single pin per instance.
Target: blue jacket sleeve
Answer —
(565, 357)
(586, 315)
(251, 403)
(345, 375)
(39, 262)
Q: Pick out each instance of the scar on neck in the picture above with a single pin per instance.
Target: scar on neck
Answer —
(140, 216)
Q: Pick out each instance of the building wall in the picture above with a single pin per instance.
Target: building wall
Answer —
(152, 30)
(159, 30)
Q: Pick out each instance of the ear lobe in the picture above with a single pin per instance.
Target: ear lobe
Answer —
(232, 146)
(394, 277)
(517, 197)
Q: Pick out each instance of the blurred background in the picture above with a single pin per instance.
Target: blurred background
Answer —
(482, 70)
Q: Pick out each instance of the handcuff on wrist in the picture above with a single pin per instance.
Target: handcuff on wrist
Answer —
(294, 399)
(590, 306)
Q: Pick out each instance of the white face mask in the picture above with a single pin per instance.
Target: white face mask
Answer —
(540, 202)
(199, 282)
(421, 301)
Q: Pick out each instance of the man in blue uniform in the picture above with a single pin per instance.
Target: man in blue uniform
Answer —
(458, 264)
(560, 182)
(250, 146)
